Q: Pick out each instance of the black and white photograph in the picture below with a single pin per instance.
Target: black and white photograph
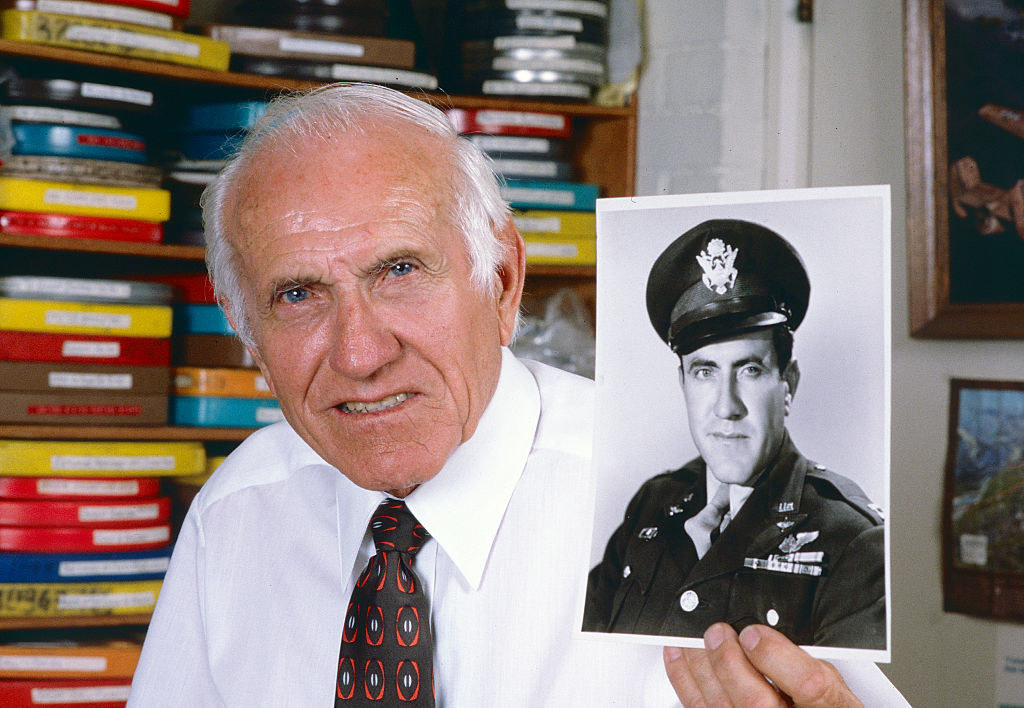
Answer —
(741, 454)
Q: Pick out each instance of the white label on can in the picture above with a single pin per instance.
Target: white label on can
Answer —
(565, 41)
(117, 93)
(105, 601)
(528, 168)
(85, 198)
(523, 119)
(131, 566)
(502, 143)
(118, 463)
(87, 488)
(536, 89)
(538, 224)
(65, 318)
(126, 512)
(553, 197)
(580, 7)
(45, 114)
(320, 46)
(117, 537)
(134, 40)
(28, 662)
(106, 382)
(80, 695)
(73, 288)
(579, 66)
(551, 250)
(95, 350)
(269, 415)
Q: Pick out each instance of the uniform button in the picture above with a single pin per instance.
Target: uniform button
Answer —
(626, 571)
(772, 617)
(689, 601)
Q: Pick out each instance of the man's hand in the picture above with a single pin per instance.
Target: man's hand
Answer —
(733, 671)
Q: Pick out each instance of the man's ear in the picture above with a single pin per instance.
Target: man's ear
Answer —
(229, 312)
(511, 277)
(791, 378)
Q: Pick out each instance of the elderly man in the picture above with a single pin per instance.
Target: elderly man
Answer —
(363, 253)
(751, 531)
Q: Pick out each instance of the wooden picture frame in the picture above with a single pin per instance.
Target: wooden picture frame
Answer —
(982, 524)
(935, 310)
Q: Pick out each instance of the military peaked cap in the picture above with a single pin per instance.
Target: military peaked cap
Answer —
(723, 278)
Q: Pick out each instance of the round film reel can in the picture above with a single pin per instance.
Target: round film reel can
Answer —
(82, 170)
(63, 539)
(72, 141)
(50, 488)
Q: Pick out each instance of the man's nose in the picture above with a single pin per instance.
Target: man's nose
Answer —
(361, 343)
(728, 405)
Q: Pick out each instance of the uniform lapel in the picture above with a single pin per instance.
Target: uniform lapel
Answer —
(770, 514)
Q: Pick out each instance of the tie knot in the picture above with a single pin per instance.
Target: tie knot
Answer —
(394, 528)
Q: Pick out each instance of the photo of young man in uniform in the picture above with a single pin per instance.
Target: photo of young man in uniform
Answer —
(749, 531)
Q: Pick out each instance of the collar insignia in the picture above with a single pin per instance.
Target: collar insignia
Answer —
(717, 263)
(791, 544)
(646, 534)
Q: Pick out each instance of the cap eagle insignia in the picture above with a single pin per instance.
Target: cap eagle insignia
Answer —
(717, 263)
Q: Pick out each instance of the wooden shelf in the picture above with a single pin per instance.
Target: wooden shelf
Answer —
(119, 248)
(11, 623)
(179, 73)
(121, 432)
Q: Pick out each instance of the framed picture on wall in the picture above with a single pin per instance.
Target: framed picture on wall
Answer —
(983, 515)
(965, 167)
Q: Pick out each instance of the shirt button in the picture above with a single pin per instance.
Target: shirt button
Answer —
(772, 617)
(626, 571)
(689, 601)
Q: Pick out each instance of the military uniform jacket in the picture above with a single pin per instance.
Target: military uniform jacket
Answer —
(805, 554)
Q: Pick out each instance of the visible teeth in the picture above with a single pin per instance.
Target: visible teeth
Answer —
(374, 406)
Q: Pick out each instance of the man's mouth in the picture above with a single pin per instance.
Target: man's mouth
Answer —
(374, 406)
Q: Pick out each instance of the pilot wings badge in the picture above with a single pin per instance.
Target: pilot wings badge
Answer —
(791, 544)
(717, 263)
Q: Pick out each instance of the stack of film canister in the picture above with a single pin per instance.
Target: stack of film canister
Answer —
(529, 49)
(370, 41)
(140, 29)
(94, 671)
(531, 150)
(84, 351)
(86, 526)
(209, 134)
(78, 166)
(215, 382)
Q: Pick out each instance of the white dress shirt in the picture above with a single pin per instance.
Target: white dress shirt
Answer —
(252, 607)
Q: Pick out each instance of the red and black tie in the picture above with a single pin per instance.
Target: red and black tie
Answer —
(387, 648)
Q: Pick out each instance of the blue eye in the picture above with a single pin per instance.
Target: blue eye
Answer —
(294, 295)
(399, 269)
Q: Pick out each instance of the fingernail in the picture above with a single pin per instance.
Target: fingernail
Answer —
(713, 637)
(749, 638)
(672, 653)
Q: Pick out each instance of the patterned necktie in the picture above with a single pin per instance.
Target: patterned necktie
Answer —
(387, 649)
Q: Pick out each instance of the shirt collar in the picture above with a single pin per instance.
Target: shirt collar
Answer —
(462, 507)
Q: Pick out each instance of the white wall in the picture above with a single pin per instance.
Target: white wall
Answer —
(686, 104)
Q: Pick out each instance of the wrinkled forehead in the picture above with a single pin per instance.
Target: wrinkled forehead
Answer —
(396, 168)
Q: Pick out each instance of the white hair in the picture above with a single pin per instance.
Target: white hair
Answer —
(476, 208)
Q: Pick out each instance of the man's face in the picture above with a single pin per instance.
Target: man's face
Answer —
(736, 402)
(381, 352)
